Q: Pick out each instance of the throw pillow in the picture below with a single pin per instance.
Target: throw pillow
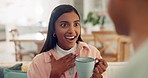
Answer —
(15, 67)
(8, 73)
(1, 73)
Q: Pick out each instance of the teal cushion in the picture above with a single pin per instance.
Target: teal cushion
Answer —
(8, 73)
(15, 67)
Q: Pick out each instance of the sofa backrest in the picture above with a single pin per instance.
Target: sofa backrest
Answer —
(113, 68)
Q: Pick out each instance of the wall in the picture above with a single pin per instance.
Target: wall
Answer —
(48, 6)
(71, 2)
(31, 12)
(2, 33)
(19, 12)
(25, 12)
(78, 4)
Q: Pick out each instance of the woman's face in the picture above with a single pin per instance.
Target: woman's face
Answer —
(67, 30)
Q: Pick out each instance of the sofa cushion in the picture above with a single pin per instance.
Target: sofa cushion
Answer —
(15, 67)
(8, 73)
(1, 73)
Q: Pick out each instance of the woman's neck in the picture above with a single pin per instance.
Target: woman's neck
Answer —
(63, 52)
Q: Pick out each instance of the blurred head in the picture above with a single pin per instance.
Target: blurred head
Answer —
(63, 28)
(118, 13)
(129, 16)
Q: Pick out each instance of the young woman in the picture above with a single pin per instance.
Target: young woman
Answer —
(62, 46)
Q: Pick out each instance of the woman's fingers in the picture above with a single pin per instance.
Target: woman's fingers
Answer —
(71, 61)
(96, 70)
(99, 69)
(96, 75)
(104, 62)
(68, 61)
(72, 58)
(71, 65)
(101, 65)
(63, 64)
(66, 58)
(69, 58)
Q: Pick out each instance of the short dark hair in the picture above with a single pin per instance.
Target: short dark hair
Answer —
(51, 41)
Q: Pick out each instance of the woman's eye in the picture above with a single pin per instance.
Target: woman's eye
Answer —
(77, 24)
(63, 25)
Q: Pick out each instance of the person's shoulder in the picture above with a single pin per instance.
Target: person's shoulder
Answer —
(137, 64)
(41, 57)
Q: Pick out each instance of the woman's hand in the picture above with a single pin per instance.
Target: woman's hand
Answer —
(61, 65)
(100, 67)
(96, 75)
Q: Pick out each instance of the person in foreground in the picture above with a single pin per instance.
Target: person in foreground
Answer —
(131, 18)
(63, 44)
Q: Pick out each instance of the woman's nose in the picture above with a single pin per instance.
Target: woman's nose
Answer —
(71, 29)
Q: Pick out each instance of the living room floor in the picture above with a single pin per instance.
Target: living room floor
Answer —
(7, 52)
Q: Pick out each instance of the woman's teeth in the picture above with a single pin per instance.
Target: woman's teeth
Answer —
(70, 37)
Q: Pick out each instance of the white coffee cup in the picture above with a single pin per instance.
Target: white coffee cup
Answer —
(85, 66)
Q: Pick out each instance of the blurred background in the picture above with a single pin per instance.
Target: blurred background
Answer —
(23, 27)
(23, 30)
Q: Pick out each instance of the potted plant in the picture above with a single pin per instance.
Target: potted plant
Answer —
(95, 18)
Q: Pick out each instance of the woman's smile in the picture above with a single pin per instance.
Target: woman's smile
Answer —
(71, 38)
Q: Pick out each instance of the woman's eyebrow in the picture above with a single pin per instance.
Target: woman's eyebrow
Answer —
(67, 21)
(77, 21)
(64, 21)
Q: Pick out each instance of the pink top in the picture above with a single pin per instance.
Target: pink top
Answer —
(41, 66)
